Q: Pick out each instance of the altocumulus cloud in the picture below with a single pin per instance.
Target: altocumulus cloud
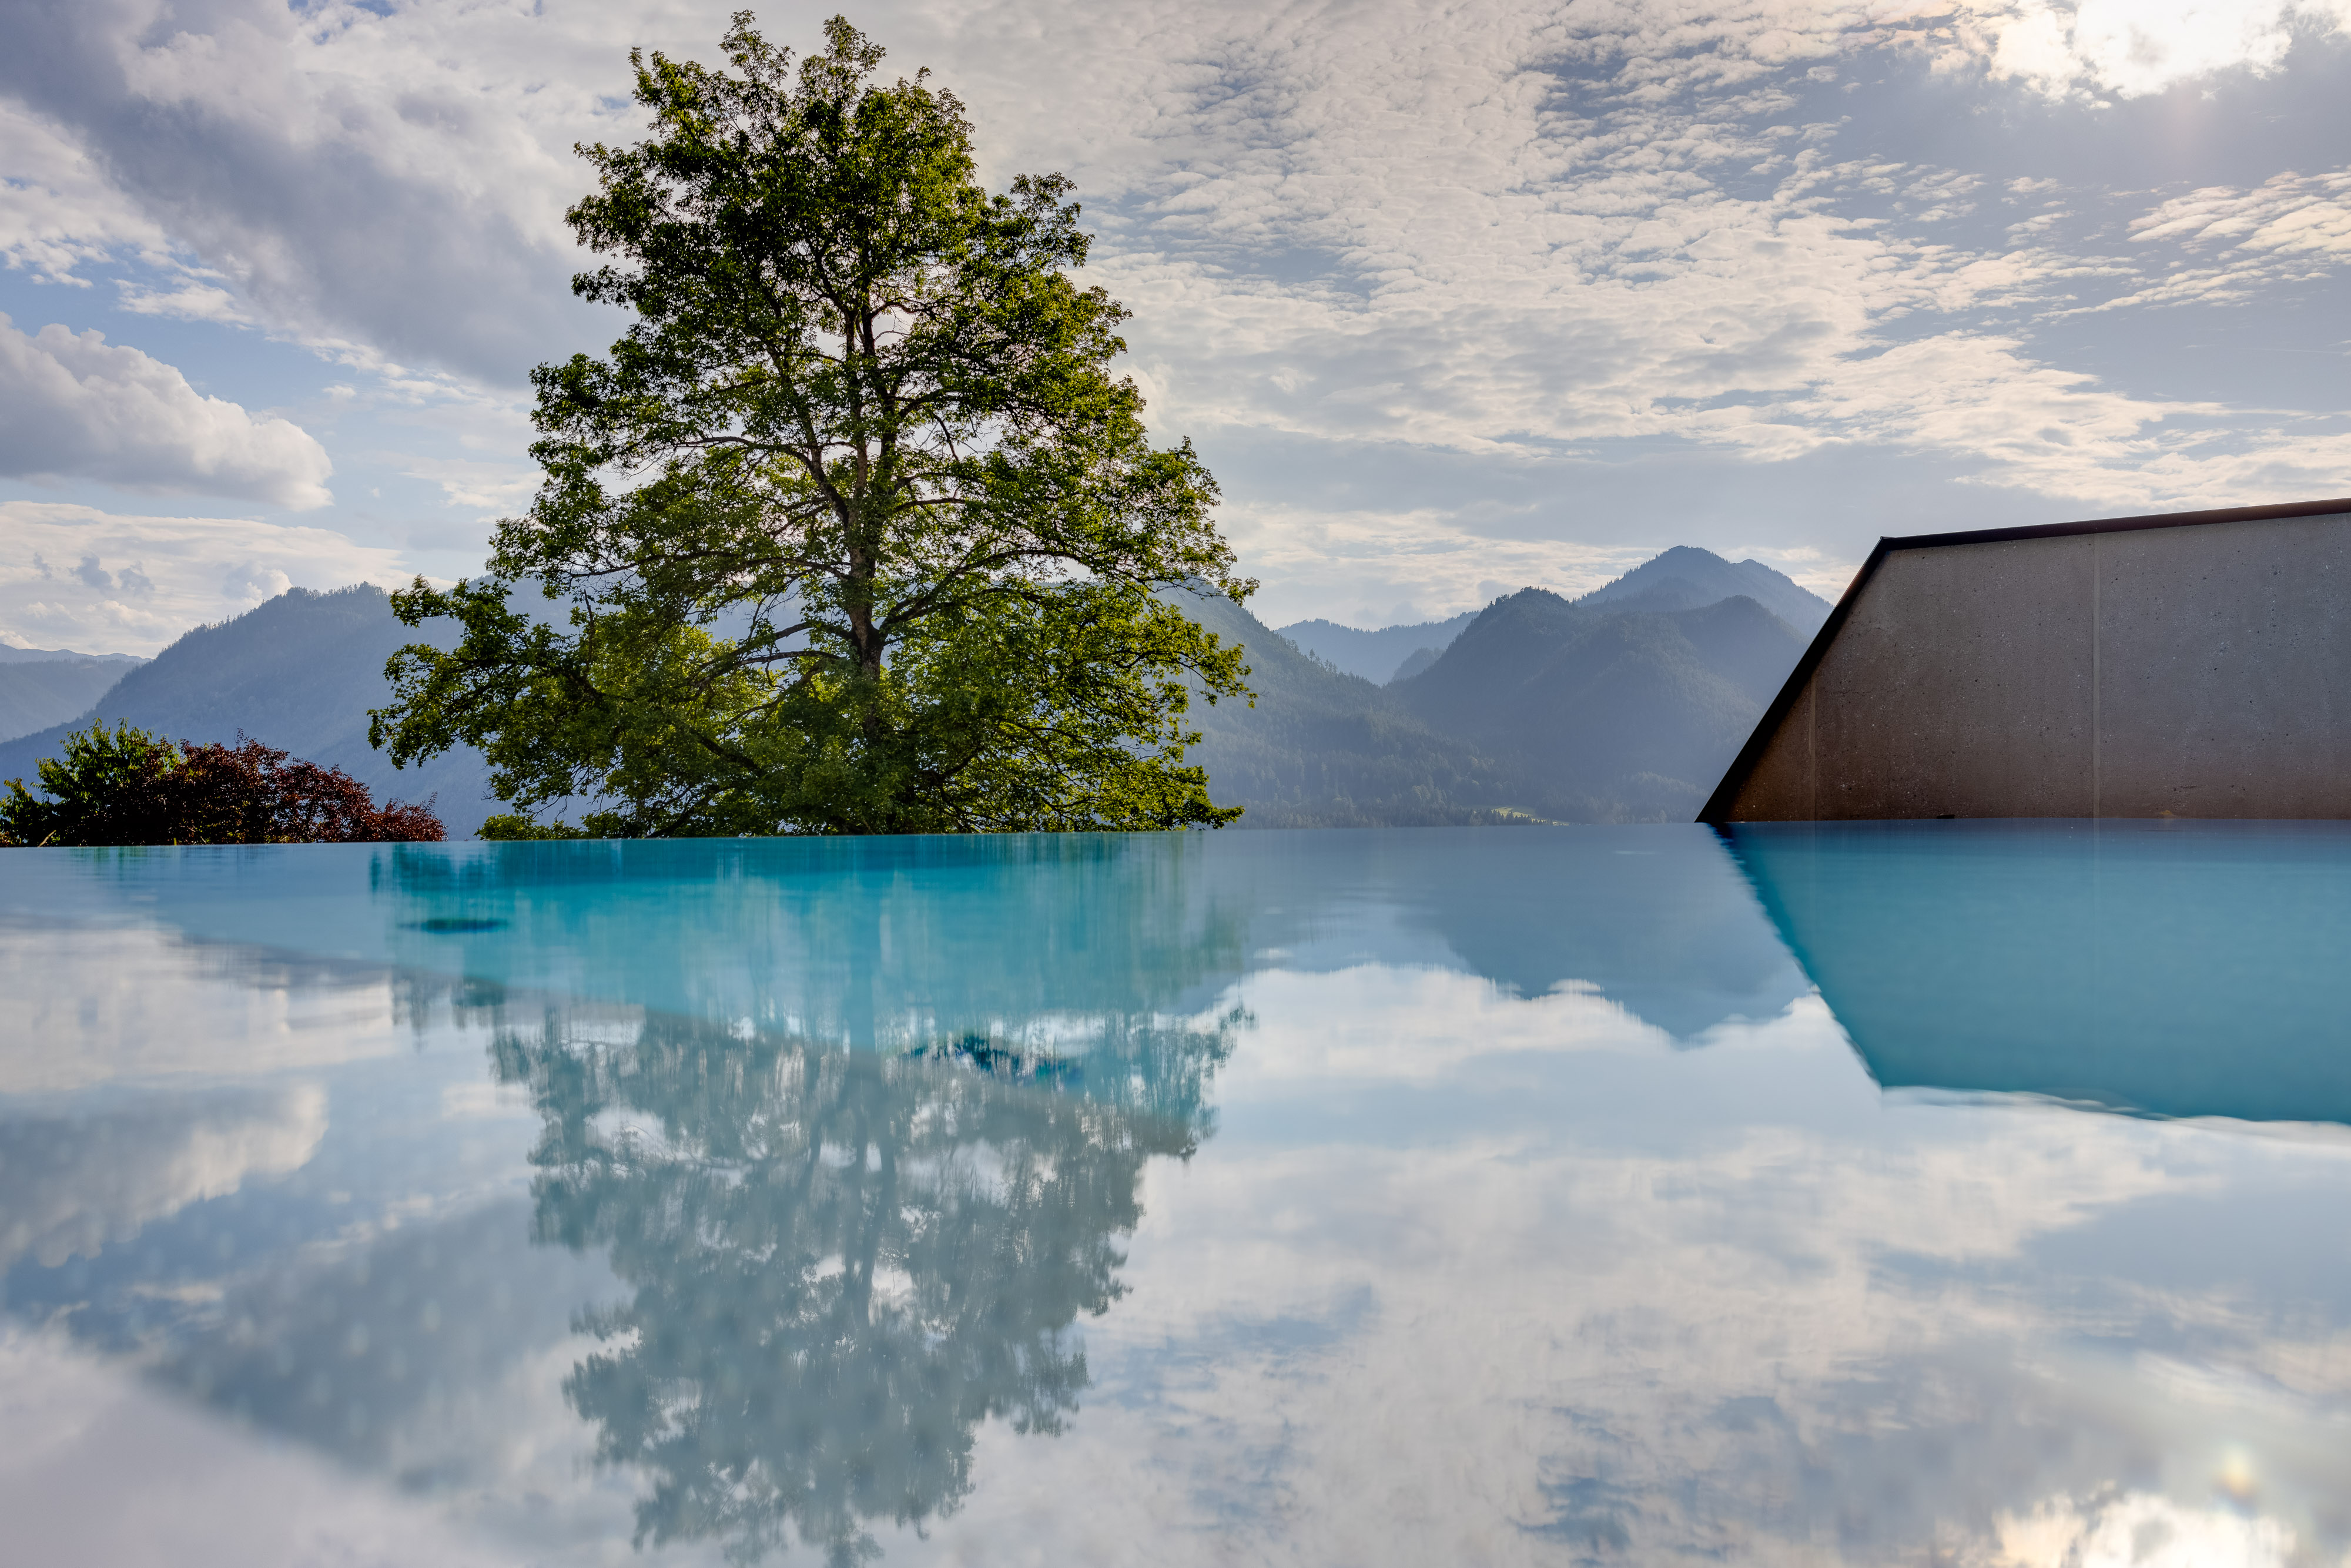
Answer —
(1509, 254)
(73, 405)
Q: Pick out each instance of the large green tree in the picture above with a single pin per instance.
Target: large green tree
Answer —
(857, 529)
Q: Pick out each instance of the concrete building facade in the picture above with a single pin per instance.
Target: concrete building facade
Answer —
(2197, 665)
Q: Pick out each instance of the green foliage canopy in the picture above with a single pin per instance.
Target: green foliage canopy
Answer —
(857, 531)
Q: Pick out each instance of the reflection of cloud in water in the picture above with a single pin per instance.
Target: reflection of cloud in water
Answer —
(1480, 1267)
(2138, 1531)
(92, 1005)
(71, 1182)
(1708, 1329)
(1690, 1320)
(1654, 919)
(874, 942)
(1433, 1020)
(883, 942)
(99, 1467)
(432, 1354)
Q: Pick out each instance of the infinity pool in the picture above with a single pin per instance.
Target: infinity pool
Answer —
(1939, 1192)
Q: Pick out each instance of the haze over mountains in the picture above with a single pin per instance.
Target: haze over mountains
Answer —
(1688, 578)
(1624, 705)
(42, 687)
(298, 672)
(1377, 657)
(12, 654)
(1598, 714)
(1681, 579)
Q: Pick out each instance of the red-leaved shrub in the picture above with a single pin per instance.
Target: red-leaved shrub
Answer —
(131, 787)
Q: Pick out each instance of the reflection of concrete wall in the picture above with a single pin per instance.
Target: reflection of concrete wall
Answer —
(2181, 969)
(2193, 666)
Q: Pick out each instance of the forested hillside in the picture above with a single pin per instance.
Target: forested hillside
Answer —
(299, 673)
(1624, 705)
(1323, 750)
(37, 692)
(1379, 655)
(1598, 715)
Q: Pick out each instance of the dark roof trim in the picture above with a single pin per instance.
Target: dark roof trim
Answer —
(2122, 525)
(1717, 809)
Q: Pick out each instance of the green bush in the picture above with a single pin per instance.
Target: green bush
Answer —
(126, 787)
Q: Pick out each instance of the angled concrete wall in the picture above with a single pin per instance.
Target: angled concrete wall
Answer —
(2193, 666)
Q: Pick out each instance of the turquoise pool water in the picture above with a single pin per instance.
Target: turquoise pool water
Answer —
(1948, 1192)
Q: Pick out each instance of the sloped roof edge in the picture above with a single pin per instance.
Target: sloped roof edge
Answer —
(1717, 808)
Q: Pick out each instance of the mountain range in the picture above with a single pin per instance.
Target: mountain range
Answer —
(12, 654)
(1319, 748)
(1377, 657)
(298, 672)
(1624, 705)
(41, 686)
(1596, 713)
(1686, 578)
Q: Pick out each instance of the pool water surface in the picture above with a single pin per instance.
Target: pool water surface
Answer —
(1956, 1193)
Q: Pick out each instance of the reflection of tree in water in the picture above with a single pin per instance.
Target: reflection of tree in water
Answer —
(842, 1262)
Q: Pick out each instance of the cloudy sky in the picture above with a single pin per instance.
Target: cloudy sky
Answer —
(1453, 296)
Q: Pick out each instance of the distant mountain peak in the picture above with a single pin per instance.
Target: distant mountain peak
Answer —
(1375, 655)
(299, 672)
(1688, 578)
(10, 653)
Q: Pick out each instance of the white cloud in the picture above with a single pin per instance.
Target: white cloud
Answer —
(73, 405)
(1559, 262)
(2077, 48)
(74, 577)
(192, 299)
(2051, 428)
(389, 180)
(2130, 49)
(1819, 1329)
(488, 485)
(1529, 231)
(99, 1466)
(2289, 214)
(59, 210)
(1357, 565)
(2139, 1530)
(68, 1196)
(2237, 243)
